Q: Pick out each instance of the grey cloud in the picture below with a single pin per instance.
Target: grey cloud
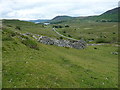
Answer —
(34, 9)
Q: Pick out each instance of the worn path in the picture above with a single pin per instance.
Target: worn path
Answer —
(64, 36)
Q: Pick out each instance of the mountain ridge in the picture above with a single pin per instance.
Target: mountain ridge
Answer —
(108, 16)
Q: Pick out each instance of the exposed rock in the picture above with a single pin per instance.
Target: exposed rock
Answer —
(34, 37)
(46, 40)
(37, 35)
(62, 43)
(115, 53)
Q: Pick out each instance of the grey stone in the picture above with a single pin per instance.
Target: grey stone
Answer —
(81, 44)
(62, 43)
(34, 37)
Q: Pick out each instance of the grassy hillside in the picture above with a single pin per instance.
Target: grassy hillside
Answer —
(91, 32)
(29, 27)
(61, 19)
(111, 15)
(93, 29)
(29, 64)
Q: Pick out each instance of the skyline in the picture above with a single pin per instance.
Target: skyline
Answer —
(43, 9)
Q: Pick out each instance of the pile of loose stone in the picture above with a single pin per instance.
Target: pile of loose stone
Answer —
(62, 43)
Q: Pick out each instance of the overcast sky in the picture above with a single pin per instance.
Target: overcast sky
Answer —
(48, 9)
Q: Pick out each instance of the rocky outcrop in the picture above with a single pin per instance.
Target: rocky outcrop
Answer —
(62, 43)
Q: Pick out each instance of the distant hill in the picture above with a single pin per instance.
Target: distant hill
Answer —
(39, 20)
(111, 15)
(60, 19)
(108, 16)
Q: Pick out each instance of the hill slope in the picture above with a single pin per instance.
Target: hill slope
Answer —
(108, 16)
(60, 19)
(111, 15)
(29, 27)
(30, 64)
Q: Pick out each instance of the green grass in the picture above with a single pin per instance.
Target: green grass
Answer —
(108, 32)
(91, 32)
(56, 67)
(50, 66)
(29, 27)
